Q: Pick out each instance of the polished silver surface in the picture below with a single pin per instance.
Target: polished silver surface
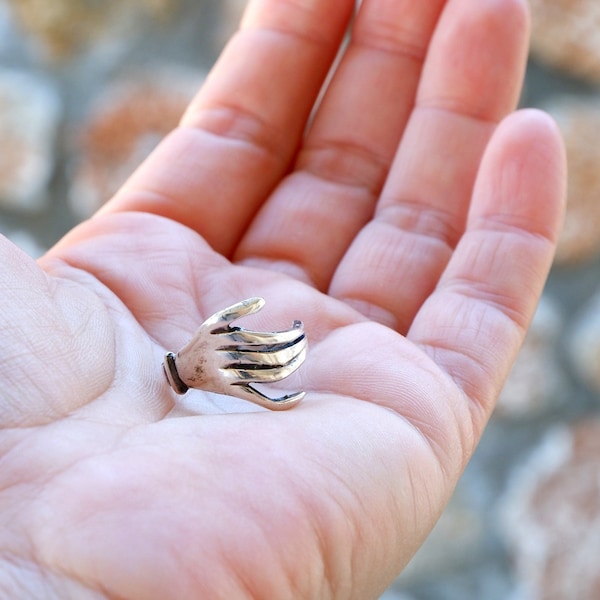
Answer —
(228, 360)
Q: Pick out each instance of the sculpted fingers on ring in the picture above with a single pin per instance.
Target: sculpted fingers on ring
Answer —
(228, 360)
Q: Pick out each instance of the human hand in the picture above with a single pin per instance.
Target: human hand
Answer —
(410, 233)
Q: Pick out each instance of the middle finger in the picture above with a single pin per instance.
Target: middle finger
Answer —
(346, 155)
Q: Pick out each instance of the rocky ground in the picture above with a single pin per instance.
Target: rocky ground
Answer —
(525, 521)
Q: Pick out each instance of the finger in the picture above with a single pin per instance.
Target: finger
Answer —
(247, 392)
(475, 321)
(240, 133)
(344, 160)
(249, 338)
(232, 313)
(263, 373)
(472, 77)
(249, 358)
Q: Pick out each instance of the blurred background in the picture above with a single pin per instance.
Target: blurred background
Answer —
(88, 88)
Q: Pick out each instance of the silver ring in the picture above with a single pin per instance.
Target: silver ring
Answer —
(227, 360)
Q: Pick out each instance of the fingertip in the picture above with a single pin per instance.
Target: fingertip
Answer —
(538, 129)
(478, 57)
(524, 173)
(543, 133)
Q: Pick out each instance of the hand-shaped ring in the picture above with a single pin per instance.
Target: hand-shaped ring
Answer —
(226, 360)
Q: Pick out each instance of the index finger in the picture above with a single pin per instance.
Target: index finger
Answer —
(241, 132)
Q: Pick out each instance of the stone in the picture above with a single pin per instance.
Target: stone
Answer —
(579, 122)
(537, 382)
(64, 27)
(30, 110)
(461, 528)
(551, 516)
(583, 343)
(565, 36)
(129, 119)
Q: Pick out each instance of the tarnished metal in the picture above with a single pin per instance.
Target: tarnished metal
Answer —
(228, 360)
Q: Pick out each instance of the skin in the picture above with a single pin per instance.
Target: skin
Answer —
(411, 228)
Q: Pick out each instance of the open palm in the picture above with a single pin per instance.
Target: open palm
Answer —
(410, 227)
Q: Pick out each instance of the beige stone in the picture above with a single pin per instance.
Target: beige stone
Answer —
(460, 527)
(565, 35)
(551, 517)
(584, 343)
(66, 26)
(579, 122)
(129, 120)
(537, 382)
(29, 119)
